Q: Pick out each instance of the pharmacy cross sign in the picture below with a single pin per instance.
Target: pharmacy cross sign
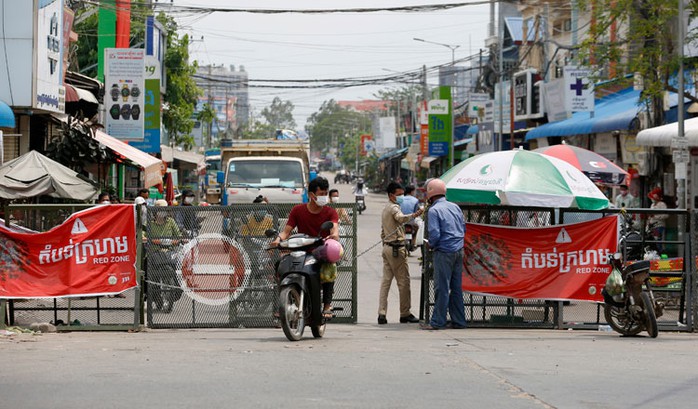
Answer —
(578, 87)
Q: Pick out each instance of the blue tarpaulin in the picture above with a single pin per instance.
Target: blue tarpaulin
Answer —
(7, 117)
(615, 112)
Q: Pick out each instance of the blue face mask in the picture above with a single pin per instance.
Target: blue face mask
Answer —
(399, 199)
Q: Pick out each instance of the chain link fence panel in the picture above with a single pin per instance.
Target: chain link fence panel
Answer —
(210, 267)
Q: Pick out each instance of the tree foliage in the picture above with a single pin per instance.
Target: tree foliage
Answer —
(256, 129)
(645, 44)
(181, 93)
(331, 126)
(279, 115)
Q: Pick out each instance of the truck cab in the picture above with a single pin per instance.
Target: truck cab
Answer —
(276, 169)
(280, 179)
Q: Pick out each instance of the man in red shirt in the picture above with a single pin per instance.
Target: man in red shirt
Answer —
(307, 219)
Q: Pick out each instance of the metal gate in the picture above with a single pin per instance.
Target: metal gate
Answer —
(208, 267)
(675, 283)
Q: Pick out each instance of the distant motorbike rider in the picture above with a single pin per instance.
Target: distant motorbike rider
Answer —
(162, 233)
(359, 189)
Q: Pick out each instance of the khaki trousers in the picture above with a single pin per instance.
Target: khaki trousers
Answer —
(395, 267)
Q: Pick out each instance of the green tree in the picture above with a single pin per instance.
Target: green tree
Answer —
(279, 114)
(256, 129)
(331, 126)
(646, 45)
(206, 116)
(181, 92)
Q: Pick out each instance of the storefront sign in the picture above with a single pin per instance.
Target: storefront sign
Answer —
(565, 262)
(440, 123)
(579, 89)
(92, 253)
(124, 93)
(49, 92)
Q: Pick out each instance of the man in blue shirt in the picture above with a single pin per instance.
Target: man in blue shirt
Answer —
(409, 202)
(446, 228)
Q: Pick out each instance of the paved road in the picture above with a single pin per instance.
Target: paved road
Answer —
(363, 365)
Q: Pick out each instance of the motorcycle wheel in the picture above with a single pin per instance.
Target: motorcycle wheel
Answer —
(650, 317)
(292, 320)
(619, 323)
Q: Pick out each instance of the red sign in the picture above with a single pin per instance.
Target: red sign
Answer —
(364, 138)
(565, 262)
(92, 253)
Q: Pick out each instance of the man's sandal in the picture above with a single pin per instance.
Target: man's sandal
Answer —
(327, 314)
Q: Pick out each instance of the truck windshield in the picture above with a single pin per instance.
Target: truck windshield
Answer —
(272, 173)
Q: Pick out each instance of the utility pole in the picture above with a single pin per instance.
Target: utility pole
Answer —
(207, 142)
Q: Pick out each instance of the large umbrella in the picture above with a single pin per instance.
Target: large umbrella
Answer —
(33, 174)
(596, 167)
(521, 178)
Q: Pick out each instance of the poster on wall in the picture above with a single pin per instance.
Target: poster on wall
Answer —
(124, 82)
(49, 92)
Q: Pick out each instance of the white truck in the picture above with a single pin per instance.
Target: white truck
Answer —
(276, 169)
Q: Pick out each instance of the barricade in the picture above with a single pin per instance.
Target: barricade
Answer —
(208, 267)
(74, 313)
(673, 281)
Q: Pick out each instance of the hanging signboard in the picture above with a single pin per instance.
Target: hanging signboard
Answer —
(124, 82)
(579, 89)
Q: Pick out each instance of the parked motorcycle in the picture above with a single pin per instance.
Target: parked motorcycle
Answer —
(410, 236)
(632, 243)
(161, 270)
(629, 304)
(300, 301)
(360, 195)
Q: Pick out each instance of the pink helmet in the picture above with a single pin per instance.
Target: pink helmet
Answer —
(331, 251)
(436, 187)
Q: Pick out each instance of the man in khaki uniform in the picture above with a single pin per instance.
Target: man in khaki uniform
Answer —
(395, 255)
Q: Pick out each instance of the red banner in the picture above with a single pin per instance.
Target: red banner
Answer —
(566, 262)
(92, 253)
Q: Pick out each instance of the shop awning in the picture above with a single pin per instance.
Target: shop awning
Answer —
(462, 142)
(149, 164)
(395, 153)
(169, 154)
(7, 117)
(76, 94)
(662, 135)
(427, 160)
(616, 112)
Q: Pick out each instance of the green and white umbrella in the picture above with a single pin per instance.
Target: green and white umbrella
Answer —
(521, 178)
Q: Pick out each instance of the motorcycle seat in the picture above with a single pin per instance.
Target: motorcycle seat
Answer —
(636, 267)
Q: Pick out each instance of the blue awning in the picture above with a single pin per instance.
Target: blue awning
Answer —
(615, 112)
(460, 131)
(7, 117)
(473, 130)
(393, 154)
(462, 142)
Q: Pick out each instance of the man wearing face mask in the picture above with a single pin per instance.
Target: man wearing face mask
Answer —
(259, 221)
(187, 218)
(395, 255)
(342, 212)
(307, 218)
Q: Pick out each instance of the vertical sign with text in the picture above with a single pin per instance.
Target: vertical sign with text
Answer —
(124, 75)
(49, 92)
(440, 123)
(579, 90)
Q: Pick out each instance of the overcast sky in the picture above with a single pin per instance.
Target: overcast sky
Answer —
(321, 46)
